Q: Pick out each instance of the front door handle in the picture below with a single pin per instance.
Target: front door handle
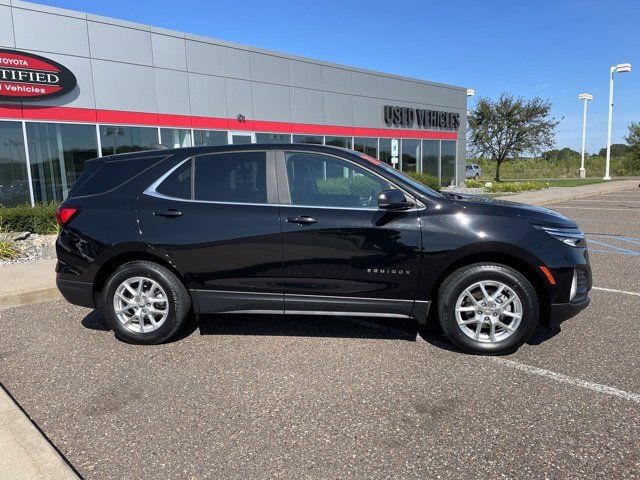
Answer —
(302, 220)
(169, 212)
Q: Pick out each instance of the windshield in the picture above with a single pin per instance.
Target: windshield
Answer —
(407, 179)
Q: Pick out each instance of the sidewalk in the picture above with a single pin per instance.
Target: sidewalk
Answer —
(25, 283)
(562, 194)
(24, 453)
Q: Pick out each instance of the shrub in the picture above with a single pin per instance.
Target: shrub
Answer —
(40, 219)
(8, 251)
(516, 186)
(471, 183)
(428, 180)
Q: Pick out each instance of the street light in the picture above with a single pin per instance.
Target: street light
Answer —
(620, 68)
(586, 97)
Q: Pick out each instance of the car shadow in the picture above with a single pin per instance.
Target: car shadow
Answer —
(302, 326)
(315, 326)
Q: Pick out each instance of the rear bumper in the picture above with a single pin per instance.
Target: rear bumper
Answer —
(78, 293)
(560, 312)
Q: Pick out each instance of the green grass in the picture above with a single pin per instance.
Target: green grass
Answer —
(564, 182)
(8, 251)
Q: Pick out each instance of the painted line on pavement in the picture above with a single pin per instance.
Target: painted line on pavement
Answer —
(613, 290)
(613, 252)
(633, 209)
(613, 248)
(559, 377)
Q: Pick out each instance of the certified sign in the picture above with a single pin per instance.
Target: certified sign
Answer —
(25, 76)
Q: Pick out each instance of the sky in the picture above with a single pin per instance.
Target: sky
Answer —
(554, 49)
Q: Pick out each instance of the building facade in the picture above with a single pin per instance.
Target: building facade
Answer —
(74, 86)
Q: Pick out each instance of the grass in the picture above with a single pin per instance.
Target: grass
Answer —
(8, 251)
(565, 182)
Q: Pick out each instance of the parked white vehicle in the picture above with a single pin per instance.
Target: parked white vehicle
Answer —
(473, 171)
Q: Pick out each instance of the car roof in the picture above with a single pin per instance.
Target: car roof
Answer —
(227, 148)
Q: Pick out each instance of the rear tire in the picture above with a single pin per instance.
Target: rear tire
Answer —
(487, 308)
(144, 303)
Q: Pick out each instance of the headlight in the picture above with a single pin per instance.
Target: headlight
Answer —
(571, 236)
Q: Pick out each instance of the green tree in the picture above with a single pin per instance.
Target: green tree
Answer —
(617, 150)
(560, 155)
(510, 126)
(633, 139)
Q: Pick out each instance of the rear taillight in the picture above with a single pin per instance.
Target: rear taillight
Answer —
(64, 214)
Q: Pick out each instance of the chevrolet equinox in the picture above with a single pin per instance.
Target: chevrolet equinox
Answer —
(150, 238)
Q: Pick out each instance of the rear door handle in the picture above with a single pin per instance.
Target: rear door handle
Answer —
(302, 220)
(169, 212)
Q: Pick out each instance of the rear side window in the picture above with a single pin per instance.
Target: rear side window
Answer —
(107, 175)
(225, 177)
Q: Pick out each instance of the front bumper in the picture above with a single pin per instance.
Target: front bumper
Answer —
(78, 293)
(560, 312)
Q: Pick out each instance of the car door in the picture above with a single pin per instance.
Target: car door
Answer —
(341, 253)
(215, 216)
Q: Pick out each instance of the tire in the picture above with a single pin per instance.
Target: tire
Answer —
(172, 302)
(477, 176)
(491, 316)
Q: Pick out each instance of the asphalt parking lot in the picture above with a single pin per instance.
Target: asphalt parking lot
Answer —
(255, 397)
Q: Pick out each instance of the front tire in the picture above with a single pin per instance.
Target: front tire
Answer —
(144, 303)
(488, 308)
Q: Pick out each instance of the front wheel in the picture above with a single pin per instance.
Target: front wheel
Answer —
(487, 308)
(145, 303)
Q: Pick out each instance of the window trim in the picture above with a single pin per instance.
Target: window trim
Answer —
(285, 195)
(272, 190)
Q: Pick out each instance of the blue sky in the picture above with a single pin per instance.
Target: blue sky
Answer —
(553, 49)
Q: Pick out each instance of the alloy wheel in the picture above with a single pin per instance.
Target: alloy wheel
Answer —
(488, 311)
(141, 304)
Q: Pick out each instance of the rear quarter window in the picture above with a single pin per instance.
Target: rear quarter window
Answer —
(104, 176)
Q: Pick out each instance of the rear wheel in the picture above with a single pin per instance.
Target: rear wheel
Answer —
(487, 308)
(145, 303)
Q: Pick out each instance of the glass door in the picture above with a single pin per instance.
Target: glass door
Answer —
(241, 138)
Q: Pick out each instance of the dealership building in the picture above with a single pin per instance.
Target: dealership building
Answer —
(74, 86)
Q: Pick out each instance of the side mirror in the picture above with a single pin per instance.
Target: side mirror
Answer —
(393, 199)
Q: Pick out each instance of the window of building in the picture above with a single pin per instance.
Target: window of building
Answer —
(321, 180)
(231, 177)
(14, 182)
(410, 154)
(385, 150)
(273, 138)
(344, 142)
(448, 167)
(209, 138)
(368, 146)
(431, 157)
(57, 153)
(115, 139)
(175, 137)
(315, 139)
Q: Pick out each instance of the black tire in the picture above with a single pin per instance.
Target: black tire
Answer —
(456, 283)
(477, 176)
(179, 302)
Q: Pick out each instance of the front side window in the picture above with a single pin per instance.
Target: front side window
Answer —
(324, 181)
(225, 177)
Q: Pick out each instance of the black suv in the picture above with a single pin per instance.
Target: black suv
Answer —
(149, 238)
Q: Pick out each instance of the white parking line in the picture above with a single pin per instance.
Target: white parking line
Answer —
(559, 377)
(630, 209)
(626, 292)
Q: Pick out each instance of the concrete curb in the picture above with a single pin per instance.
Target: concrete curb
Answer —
(18, 299)
(24, 452)
(551, 197)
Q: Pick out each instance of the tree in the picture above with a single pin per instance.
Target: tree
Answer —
(560, 155)
(617, 150)
(633, 139)
(510, 126)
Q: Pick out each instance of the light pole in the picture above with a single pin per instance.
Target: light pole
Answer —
(620, 68)
(586, 97)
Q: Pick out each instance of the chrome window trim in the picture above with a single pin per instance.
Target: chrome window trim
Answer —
(151, 190)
